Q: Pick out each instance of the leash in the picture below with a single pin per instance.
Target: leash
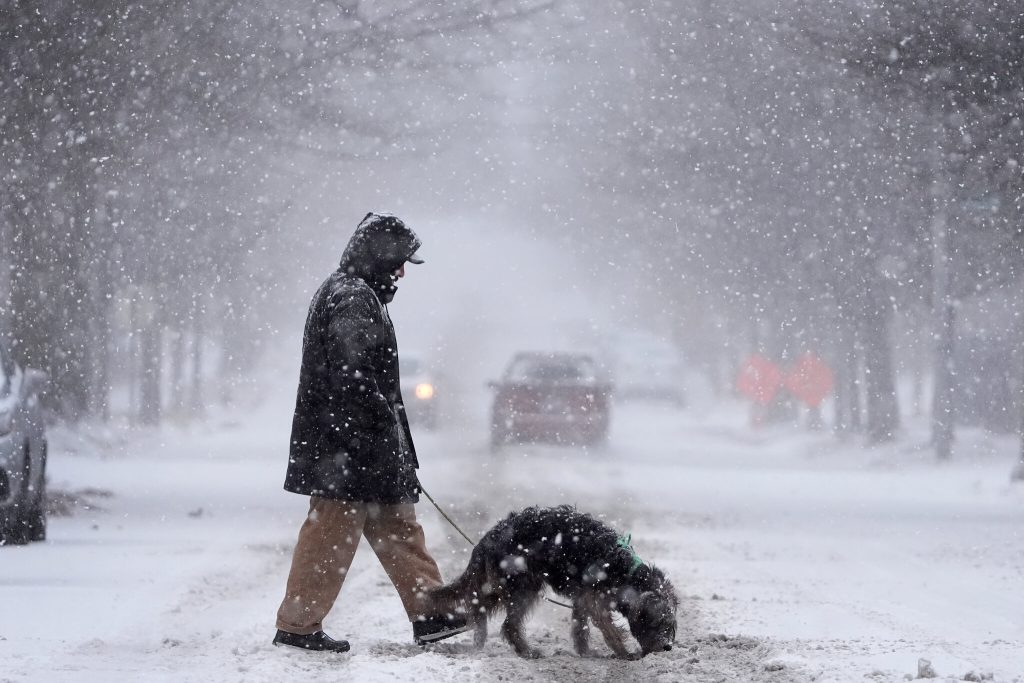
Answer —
(468, 539)
(445, 515)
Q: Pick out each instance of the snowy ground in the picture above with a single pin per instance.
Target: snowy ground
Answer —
(797, 558)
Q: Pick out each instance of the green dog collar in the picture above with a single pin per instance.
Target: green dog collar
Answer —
(625, 542)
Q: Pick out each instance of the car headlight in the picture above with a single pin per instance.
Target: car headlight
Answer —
(424, 391)
(6, 422)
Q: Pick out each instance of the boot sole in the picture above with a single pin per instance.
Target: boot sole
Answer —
(343, 648)
(441, 635)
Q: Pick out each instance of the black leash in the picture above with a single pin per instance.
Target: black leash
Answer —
(468, 539)
(445, 515)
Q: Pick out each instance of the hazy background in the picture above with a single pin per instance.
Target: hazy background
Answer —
(775, 177)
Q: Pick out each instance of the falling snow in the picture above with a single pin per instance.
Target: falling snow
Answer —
(785, 238)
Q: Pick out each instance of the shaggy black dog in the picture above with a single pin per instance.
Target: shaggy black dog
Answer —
(582, 559)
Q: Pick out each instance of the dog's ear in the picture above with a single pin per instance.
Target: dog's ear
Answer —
(635, 606)
(656, 577)
(647, 577)
(641, 614)
(660, 584)
(670, 595)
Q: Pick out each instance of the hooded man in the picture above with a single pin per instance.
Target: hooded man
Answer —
(351, 448)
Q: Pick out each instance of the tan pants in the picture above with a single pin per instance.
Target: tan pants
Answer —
(327, 543)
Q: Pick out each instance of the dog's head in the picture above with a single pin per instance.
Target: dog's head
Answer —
(652, 621)
(652, 615)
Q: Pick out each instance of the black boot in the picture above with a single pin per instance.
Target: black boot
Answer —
(318, 641)
(432, 629)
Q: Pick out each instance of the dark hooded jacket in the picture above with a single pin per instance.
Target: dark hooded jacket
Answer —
(350, 436)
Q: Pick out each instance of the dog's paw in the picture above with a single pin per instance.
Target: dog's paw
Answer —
(633, 656)
(531, 653)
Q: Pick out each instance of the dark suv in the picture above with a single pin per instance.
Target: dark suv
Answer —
(22, 453)
(557, 397)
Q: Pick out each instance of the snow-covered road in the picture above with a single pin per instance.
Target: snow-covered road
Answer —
(797, 558)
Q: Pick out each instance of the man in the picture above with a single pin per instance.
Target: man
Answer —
(351, 448)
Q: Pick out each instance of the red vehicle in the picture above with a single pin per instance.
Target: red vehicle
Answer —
(549, 396)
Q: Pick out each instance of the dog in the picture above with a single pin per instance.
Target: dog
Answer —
(580, 558)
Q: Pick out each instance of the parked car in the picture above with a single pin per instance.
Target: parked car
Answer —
(22, 453)
(547, 396)
(645, 366)
(420, 390)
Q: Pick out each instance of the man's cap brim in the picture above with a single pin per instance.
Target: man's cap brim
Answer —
(414, 258)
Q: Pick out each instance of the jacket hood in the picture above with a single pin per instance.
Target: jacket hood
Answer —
(379, 247)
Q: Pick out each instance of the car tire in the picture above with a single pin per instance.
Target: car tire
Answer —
(35, 524)
(35, 516)
(13, 529)
(27, 521)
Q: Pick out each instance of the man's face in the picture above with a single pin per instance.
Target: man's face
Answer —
(388, 290)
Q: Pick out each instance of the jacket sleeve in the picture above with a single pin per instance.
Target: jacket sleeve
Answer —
(354, 339)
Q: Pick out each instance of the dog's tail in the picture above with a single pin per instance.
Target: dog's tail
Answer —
(457, 595)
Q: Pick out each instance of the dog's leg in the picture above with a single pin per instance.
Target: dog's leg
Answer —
(580, 626)
(490, 599)
(519, 604)
(614, 635)
(480, 614)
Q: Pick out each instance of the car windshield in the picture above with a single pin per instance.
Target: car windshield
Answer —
(552, 369)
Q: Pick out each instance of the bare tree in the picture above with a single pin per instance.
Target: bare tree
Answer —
(122, 130)
(758, 190)
(957, 70)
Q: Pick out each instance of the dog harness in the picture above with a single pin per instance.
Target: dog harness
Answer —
(625, 542)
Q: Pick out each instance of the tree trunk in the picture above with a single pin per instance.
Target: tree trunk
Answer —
(34, 318)
(944, 326)
(882, 418)
(1017, 474)
(134, 359)
(178, 373)
(197, 401)
(228, 360)
(101, 285)
(841, 424)
(847, 371)
(150, 342)
(76, 310)
(943, 412)
(916, 387)
(99, 392)
(6, 250)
